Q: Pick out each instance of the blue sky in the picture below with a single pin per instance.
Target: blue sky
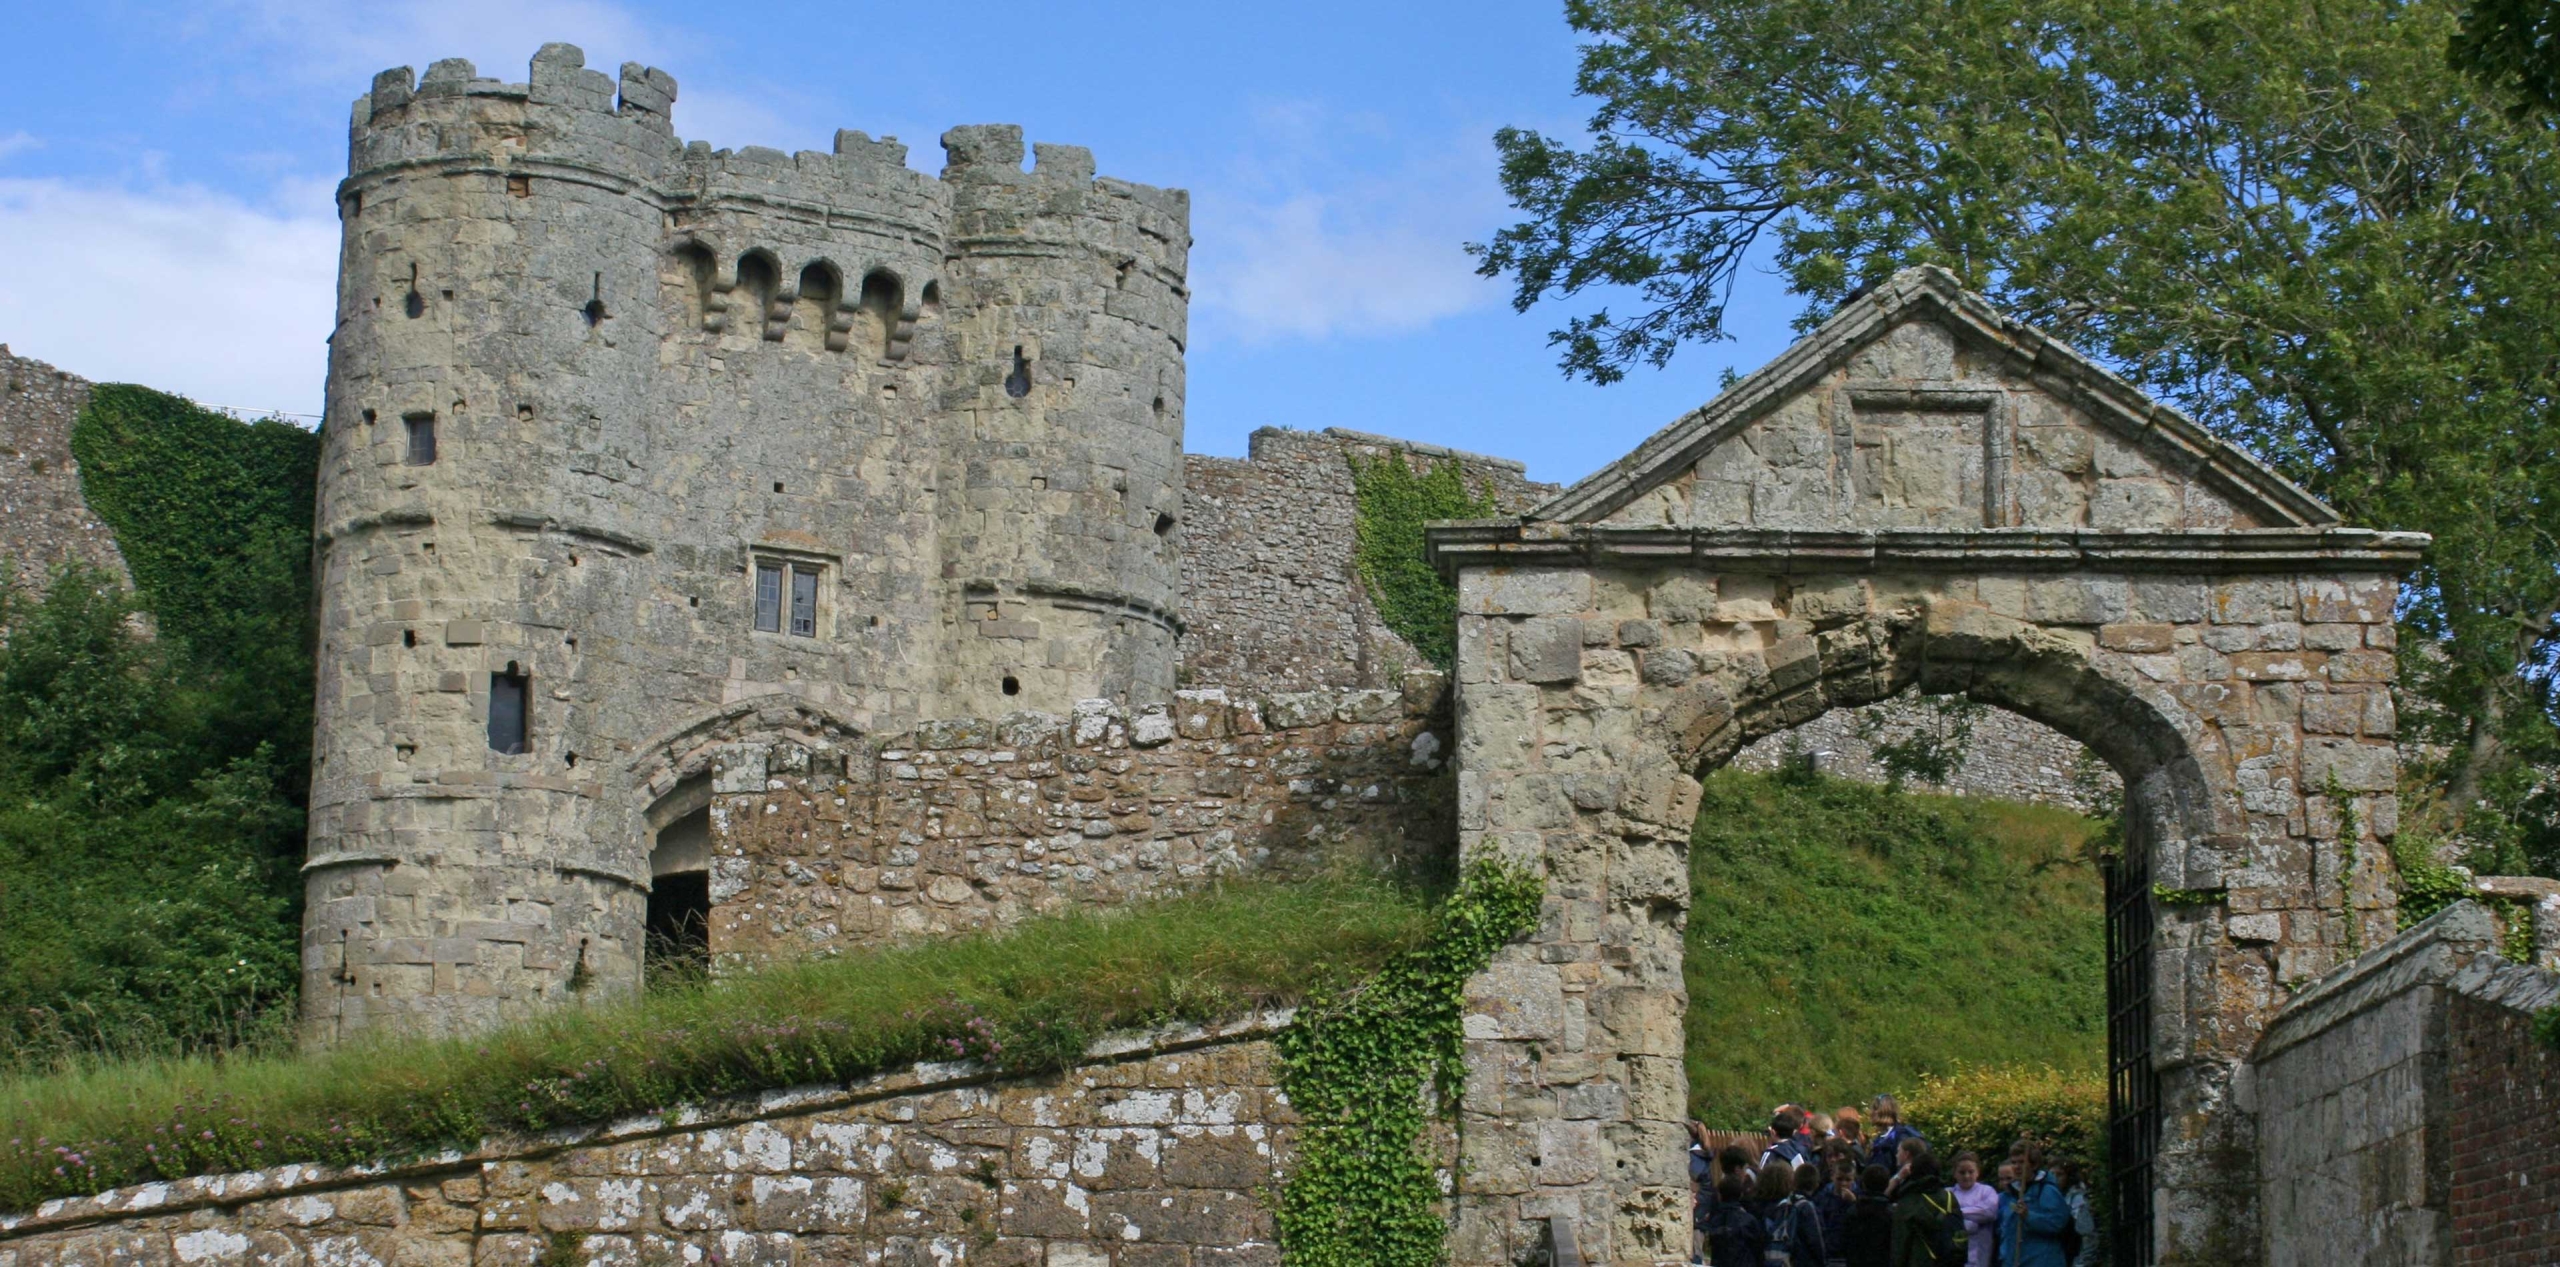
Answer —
(165, 177)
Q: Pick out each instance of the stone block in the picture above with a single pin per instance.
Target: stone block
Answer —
(1152, 728)
(1298, 710)
(1546, 650)
(1568, 1152)
(1200, 714)
(1524, 592)
(2139, 638)
(1516, 1000)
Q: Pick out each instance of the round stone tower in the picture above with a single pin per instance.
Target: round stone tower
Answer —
(1062, 494)
(635, 449)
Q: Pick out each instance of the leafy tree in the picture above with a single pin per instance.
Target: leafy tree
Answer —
(2513, 46)
(2291, 217)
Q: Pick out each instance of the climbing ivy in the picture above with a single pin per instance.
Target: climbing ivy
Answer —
(1367, 1070)
(1394, 502)
(214, 518)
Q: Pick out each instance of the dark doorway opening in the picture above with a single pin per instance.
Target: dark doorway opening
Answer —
(677, 944)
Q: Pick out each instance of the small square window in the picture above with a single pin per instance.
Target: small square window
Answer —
(422, 439)
(769, 597)
(804, 601)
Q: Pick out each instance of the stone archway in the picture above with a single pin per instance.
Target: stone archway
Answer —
(2231, 658)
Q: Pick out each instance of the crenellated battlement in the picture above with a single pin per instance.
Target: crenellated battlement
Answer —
(565, 113)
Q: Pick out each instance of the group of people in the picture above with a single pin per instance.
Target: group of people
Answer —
(1824, 1193)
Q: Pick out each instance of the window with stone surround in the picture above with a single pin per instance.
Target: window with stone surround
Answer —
(787, 597)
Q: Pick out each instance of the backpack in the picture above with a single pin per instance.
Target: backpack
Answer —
(1781, 1222)
(1948, 1241)
(1731, 1233)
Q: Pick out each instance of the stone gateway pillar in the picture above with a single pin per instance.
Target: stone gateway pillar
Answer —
(1920, 493)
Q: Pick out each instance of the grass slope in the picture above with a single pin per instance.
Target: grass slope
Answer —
(1844, 940)
(1026, 999)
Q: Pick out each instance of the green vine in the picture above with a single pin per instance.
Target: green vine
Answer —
(2167, 896)
(1367, 1071)
(2515, 924)
(2426, 885)
(2350, 828)
(1394, 502)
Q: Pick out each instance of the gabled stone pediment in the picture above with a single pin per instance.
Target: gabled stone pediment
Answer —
(1919, 406)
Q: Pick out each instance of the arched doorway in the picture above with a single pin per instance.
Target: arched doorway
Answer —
(1920, 494)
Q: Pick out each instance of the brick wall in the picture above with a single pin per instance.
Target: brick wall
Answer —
(2504, 1090)
(44, 520)
(962, 824)
(1268, 590)
(1159, 1152)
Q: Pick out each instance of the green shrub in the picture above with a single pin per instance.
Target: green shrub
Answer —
(146, 877)
(1985, 1109)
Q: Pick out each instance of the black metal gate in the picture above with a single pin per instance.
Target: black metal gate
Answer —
(2133, 1090)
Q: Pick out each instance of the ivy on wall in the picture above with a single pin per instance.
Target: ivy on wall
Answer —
(1368, 1070)
(214, 518)
(1394, 502)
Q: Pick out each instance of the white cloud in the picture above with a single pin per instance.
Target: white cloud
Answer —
(1329, 226)
(17, 141)
(180, 288)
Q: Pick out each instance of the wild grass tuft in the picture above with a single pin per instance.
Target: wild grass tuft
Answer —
(1027, 999)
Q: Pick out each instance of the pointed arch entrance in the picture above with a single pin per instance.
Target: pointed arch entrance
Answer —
(1919, 494)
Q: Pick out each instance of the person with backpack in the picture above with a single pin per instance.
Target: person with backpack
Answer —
(1885, 1115)
(1866, 1236)
(1928, 1225)
(2033, 1223)
(1735, 1236)
(1794, 1230)
(1786, 1145)
(1833, 1198)
(1981, 1205)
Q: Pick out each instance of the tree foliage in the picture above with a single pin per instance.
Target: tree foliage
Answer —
(2290, 217)
(2513, 47)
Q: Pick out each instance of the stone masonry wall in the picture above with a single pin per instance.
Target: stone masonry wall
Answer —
(2504, 1089)
(1158, 1152)
(2403, 1107)
(961, 824)
(2010, 758)
(1269, 592)
(44, 520)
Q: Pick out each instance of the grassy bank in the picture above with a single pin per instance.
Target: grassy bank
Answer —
(1845, 940)
(1027, 999)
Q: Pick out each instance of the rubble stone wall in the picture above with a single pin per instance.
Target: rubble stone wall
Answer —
(2010, 758)
(44, 520)
(1160, 1151)
(961, 824)
(1270, 596)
